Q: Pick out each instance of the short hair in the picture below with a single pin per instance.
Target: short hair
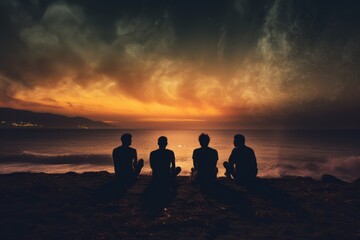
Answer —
(126, 137)
(240, 138)
(204, 139)
(162, 139)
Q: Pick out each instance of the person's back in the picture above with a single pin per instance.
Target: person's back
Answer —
(126, 165)
(123, 157)
(245, 162)
(162, 163)
(205, 160)
(242, 164)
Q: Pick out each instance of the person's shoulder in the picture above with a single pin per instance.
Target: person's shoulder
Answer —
(249, 149)
(154, 152)
(169, 151)
(117, 149)
(132, 149)
(196, 150)
(213, 150)
(210, 151)
(235, 150)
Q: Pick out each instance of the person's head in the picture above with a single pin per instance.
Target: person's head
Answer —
(204, 140)
(239, 140)
(162, 142)
(126, 139)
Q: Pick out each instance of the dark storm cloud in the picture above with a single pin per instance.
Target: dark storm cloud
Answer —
(284, 63)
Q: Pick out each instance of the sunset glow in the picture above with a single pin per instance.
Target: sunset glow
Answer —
(224, 64)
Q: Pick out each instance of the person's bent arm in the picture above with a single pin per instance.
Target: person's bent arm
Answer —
(151, 161)
(115, 162)
(135, 158)
(232, 160)
(172, 160)
(254, 162)
(195, 160)
(216, 158)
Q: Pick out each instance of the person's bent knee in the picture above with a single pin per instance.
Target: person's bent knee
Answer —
(138, 167)
(226, 165)
(177, 171)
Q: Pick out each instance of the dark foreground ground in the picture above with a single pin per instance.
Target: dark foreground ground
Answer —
(90, 206)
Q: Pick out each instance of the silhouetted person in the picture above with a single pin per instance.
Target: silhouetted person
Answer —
(127, 167)
(242, 164)
(162, 163)
(205, 160)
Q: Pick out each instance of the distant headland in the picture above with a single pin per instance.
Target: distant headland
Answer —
(14, 118)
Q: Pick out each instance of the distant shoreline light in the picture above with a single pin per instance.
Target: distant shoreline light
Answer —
(25, 124)
(30, 125)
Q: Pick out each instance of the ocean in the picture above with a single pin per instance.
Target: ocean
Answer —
(279, 152)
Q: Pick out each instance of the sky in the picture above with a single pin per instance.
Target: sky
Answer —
(184, 64)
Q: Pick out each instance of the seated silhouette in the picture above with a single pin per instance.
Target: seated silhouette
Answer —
(162, 163)
(127, 167)
(242, 164)
(205, 160)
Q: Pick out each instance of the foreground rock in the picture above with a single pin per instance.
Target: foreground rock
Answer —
(89, 206)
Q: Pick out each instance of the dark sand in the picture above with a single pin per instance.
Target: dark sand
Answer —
(88, 206)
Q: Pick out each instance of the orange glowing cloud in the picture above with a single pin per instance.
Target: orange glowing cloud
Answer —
(156, 66)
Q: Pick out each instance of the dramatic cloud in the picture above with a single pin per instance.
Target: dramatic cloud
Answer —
(238, 63)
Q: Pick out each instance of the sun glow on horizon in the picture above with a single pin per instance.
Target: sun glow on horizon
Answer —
(100, 98)
(270, 64)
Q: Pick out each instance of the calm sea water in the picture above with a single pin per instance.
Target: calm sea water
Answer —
(279, 152)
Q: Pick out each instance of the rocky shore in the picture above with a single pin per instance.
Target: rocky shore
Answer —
(92, 206)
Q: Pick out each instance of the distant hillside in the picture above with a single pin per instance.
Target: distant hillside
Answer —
(12, 118)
